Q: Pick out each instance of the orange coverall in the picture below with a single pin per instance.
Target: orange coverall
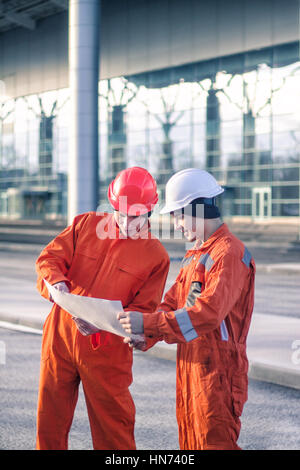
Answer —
(133, 271)
(208, 312)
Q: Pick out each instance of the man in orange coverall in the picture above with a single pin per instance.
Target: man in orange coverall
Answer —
(207, 312)
(113, 256)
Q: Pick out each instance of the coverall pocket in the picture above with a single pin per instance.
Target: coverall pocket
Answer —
(239, 387)
(129, 280)
(132, 270)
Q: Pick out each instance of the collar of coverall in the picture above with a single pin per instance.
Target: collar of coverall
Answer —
(222, 230)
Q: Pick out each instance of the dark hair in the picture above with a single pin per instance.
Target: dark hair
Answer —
(210, 210)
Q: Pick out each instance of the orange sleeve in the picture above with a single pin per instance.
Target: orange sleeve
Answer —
(150, 294)
(170, 299)
(55, 259)
(222, 290)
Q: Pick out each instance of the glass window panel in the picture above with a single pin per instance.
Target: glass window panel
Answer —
(285, 53)
(287, 122)
(103, 110)
(285, 210)
(156, 135)
(287, 92)
(199, 160)
(140, 80)
(233, 176)
(263, 125)
(181, 118)
(62, 151)
(136, 155)
(262, 142)
(103, 128)
(232, 64)
(160, 78)
(232, 159)
(206, 69)
(136, 109)
(231, 144)
(232, 128)
(181, 152)
(261, 56)
(257, 204)
(282, 156)
(185, 73)
(154, 156)
(199, 115)
(285, 140)
(180, 133)
(229, 110)
(136, 138)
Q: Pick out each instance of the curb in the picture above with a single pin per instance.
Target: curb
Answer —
(282, 268)
(15, 322)
(24, 329)
(274, 374)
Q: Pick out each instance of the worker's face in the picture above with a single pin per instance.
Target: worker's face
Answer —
(191, 227)
(130, 226)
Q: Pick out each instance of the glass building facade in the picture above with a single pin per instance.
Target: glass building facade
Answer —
(236, 116)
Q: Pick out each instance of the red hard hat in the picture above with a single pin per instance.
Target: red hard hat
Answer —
(133, 191)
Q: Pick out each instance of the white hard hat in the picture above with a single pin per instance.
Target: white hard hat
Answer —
(187, 185)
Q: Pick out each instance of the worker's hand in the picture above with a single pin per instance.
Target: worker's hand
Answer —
(132, 322)
(62, 287)
(85, 327)
(136, 342)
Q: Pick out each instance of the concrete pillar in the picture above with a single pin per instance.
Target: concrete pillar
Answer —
(84, 37)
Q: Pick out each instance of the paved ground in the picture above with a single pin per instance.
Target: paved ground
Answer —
(270, 420)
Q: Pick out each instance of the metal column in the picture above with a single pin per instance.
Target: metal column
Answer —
(84, 42)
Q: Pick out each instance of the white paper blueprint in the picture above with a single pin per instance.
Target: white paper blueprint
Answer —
(100, 312)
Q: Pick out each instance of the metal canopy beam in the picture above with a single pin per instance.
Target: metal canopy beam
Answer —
(27, 13)
(60, 3)
(20, 19)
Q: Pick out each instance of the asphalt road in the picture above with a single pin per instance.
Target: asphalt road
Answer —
(270, 421)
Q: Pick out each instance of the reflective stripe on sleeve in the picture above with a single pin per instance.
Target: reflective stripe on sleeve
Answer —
(207, 261)
(247, 257)
(186, 261)
(185, 324)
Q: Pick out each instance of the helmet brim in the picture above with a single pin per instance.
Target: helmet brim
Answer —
(177, 206)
